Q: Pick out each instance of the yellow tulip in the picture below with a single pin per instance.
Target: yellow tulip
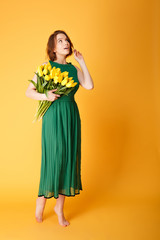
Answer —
(58, 70)
(56, 74)
(66, 78)
(52, 72)
(45, 71)
(40, 72)
(60, 77)
(64, 81)
(65, 74)
(45, 67)
(55, 79)
(49, 66)
(74, 84)
(47, 77)
(69, 84)
(52, 75)
(70, 78)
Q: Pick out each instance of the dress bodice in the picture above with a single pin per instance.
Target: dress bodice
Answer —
(72, 72)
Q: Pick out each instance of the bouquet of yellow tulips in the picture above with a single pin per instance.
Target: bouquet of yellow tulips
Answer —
(49, 78)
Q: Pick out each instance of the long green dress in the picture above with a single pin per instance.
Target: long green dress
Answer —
(61, 144)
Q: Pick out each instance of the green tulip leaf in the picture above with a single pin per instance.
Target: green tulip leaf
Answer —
(35, 84)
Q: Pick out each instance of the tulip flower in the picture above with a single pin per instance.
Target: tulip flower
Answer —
(47, 77)
(69, 84)
(40, 72)
(45, 71)
(64, 81)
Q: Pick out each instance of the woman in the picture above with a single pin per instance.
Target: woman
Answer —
(61, 130)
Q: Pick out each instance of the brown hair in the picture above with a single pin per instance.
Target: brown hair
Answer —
(51, 44)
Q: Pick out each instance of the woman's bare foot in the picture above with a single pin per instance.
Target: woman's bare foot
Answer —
(40, 204)
(61, 218)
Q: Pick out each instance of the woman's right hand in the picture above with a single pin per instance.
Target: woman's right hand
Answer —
(52, 96)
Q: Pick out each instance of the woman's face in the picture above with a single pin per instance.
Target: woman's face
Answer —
(62, 45)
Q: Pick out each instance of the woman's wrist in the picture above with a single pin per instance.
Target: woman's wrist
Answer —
(44, 97)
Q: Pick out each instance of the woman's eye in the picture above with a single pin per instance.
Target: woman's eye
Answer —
(61, 40)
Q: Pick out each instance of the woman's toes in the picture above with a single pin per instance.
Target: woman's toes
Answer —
(61, 218)
(39, 219)
(67, 223)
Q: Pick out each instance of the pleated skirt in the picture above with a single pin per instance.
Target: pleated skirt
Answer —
(61, 150)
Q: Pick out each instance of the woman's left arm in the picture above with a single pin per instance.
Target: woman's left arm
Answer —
(84, 76)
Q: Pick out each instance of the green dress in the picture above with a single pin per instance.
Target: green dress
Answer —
(61, 144)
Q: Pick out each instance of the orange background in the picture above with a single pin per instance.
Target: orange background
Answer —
(120, 42)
